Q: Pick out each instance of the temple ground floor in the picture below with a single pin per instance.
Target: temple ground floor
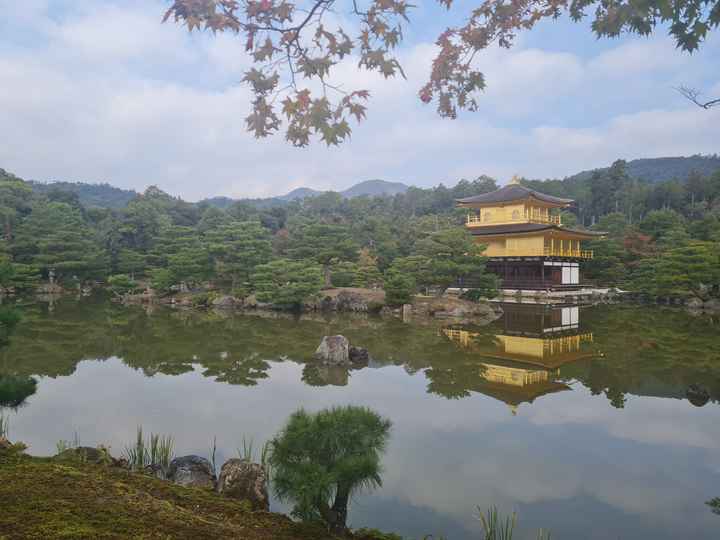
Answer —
(534, 273)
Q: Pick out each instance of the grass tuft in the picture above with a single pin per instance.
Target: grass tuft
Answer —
(247, 453)
(157, 450)
(496, 527)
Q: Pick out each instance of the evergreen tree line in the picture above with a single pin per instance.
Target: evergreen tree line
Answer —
(662, 239)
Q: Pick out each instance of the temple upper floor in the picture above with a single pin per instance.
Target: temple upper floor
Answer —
(514, 213)
(512, 204)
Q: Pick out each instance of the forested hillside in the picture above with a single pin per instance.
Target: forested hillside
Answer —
(664, 169)
(90, 195)
(663, 238)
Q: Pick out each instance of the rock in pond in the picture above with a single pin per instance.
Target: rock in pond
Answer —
(240, 479)
(224, 302)
(191, 471)
(697, 395)
(334, 350)
(358, 356)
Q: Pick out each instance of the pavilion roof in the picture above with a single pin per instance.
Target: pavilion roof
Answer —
(520, 228)
(513, 192)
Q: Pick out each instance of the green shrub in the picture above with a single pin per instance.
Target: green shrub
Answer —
(286, 283)
(399, 289)
(122, 284)
(321, 460)
(161, 279)
(343, 274)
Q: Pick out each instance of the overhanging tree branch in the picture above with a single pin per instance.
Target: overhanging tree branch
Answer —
(693, 95)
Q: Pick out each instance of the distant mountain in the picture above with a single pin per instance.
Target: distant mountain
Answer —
(299, 193)
(370, 188)
(375, 188)
(90, 195)
(663, 169)
(106, 196)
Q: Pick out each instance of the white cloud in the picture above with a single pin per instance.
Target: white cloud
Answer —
(637, 57)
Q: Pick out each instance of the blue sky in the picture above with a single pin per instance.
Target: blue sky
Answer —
(101, 91)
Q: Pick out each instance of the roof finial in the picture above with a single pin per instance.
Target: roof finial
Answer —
(515, 180)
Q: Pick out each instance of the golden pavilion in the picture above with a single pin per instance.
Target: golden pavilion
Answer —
(527, 245)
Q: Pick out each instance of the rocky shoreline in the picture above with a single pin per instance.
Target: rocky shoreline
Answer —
(338, 300)
(372, 301)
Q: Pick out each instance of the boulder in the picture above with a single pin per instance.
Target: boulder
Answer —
(334, 350)
(349, 301)
(224, 302)
(192, 471)
(358, 356)
(240, 479)
(697, 395)
(712, 305)
(694, 303)
(156, 471)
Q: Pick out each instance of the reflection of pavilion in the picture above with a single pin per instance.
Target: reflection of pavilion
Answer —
(536, 340)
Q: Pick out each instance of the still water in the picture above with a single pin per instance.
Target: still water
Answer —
(576, 418)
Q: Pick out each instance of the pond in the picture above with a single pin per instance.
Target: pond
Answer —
(577, 418)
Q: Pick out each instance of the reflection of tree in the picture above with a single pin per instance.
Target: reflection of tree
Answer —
(9, 318)
(15, 390)
(244, 371)
(319, 375)
(453, 382)
(647, 352)
(714, 505)
(655, 352)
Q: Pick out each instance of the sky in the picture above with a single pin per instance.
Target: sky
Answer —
(101, 91)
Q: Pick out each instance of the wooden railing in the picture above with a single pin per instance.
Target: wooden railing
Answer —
(547, 252)
(474, 220)
(561, 252)
(538, 285)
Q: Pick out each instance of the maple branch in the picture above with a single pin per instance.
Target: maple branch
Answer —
(693, 96)
(310, 14)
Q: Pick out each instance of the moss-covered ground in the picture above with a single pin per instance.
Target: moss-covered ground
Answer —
(42, 498)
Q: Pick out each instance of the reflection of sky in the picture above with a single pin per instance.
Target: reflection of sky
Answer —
(567, 460)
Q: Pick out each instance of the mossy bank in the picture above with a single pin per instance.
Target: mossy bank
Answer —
(46, 498)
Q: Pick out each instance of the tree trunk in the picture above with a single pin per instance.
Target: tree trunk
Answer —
(340, 509)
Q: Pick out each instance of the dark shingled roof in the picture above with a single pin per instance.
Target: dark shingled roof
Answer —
(513, 192)
(517, 228)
